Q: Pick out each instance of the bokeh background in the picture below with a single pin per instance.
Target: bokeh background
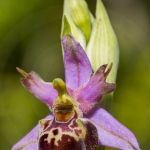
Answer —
(30, 39)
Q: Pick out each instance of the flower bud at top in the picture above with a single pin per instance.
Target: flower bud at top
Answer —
(103, 46)
(66, 27)
(69, 27)
(81, 16)
(78, 18)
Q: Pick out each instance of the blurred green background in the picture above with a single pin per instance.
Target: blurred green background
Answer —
(30, 39)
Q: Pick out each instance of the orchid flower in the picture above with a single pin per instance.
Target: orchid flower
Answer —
(76, 121)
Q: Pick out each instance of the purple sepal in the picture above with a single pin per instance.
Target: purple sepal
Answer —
(111, 133)
(92, 93)
(42, 90)
(29, 142)
(77, 65)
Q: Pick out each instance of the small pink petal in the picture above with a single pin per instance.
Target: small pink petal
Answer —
(89, 95)
(42, 90)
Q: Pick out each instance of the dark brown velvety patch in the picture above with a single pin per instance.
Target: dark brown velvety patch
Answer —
(91, 139)
(43, 144)
(55, 132)
(69, 143)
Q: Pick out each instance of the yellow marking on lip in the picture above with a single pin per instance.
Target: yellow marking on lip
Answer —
(61, 133)
(42, 122)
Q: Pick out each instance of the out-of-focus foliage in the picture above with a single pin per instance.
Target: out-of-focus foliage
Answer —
(30, 39)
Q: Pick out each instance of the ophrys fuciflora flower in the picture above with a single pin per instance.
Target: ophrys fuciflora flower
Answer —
(77, 121)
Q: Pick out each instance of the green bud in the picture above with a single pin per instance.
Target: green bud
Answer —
(103, 46)
(81, 16)
(68, 27)
(79, 19)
